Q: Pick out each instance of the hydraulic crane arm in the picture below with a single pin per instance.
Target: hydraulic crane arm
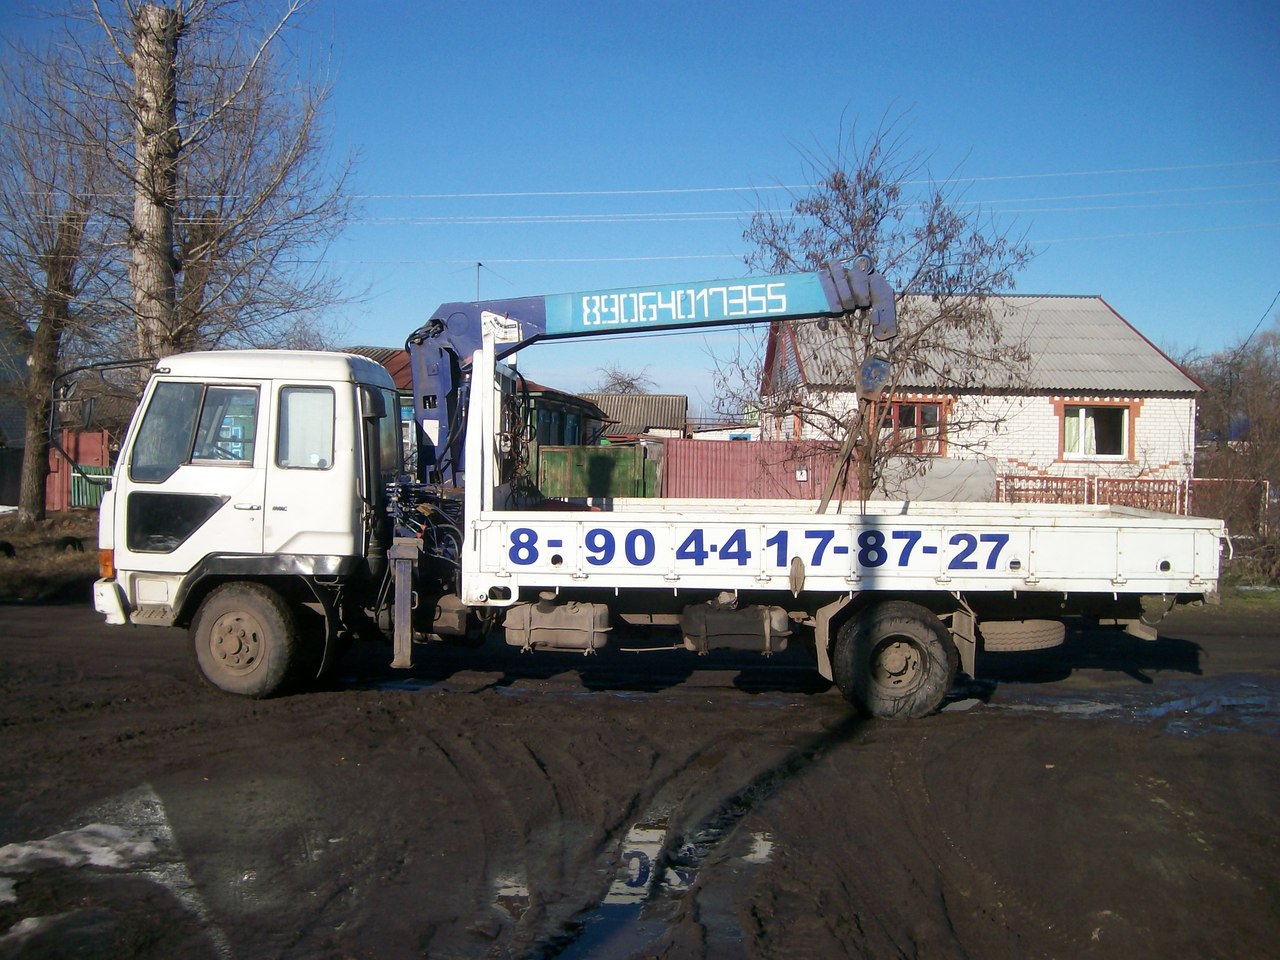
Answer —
(455, 331)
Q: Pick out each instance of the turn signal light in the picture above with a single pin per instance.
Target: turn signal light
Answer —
(107, 564)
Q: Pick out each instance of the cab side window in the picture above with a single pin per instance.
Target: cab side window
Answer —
(227, 430)
(189, 422)
(305, 436)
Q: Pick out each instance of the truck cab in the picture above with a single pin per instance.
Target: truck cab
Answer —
(249, 466)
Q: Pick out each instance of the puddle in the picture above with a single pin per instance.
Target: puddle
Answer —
(657, 868)
(511, 896)
(1183, 707)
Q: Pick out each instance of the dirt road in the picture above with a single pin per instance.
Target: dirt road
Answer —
(1112, 799)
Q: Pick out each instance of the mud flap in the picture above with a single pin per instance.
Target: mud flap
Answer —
(964, 634)
(822, 634)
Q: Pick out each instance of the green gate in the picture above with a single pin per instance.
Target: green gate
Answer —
(589, 472)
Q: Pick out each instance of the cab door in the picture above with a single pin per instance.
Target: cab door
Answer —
(194, 478)
(313, 501)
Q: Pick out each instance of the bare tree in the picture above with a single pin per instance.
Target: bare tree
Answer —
(1238, 440)
(945, 259)
(234, 194)
(616, 379)
(57, 279)
(166, 185)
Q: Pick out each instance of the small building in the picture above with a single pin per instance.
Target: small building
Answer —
(557, 418)
(643, 414)
(1097, 407)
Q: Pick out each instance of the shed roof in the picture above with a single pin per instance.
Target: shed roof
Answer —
(395, 359)
(1077, 344)
(635, 413)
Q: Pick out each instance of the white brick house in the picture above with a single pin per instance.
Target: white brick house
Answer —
(1098, 403)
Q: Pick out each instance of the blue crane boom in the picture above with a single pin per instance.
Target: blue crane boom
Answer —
(440, 348)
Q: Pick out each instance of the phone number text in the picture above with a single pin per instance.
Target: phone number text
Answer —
(871, 548)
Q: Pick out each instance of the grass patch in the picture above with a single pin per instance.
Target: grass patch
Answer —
(1243, 598)
(45, 563)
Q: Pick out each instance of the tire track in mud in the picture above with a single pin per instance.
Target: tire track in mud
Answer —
(621, 926)
(986, 892)
(543, 834)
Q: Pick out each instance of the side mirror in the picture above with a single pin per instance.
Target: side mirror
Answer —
(372, 403)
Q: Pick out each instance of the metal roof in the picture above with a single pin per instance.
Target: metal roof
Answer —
(395, 359)
(638, 412)
(1075, 344)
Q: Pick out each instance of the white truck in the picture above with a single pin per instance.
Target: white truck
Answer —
(259, 502)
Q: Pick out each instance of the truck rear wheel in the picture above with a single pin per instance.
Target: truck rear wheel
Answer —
(894, 660)
(245, 639)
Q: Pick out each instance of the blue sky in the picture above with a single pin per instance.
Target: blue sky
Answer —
(574, 146)
(1137, 144)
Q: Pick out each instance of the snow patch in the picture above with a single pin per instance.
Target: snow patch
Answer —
(97, 845)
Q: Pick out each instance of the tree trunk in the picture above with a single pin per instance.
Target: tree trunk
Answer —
(59, 270)
(156, 142)
(35, 467)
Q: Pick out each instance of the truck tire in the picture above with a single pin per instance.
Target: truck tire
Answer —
(1009, 636)
(894, 660)
(245, 639)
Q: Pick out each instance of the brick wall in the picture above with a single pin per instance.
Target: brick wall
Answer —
(1022, 435)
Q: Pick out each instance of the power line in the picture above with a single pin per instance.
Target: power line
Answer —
(740, 256)
(802, 186)
(1160, 233)
(726, 216)
(1265, 313)
(471, 261)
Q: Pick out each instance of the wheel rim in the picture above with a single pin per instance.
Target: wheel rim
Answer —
(236, 642)
(898, 663)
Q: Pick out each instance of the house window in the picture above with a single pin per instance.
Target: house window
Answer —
(914, 428)
(1095, 432)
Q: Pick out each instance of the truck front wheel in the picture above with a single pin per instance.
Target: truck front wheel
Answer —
(245, 638)
(894, 660)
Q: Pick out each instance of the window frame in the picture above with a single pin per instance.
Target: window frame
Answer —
(195, 430)
(1068, 409)
(917, 443)
(282, 411)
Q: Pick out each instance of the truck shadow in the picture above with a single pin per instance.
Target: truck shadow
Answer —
(618, 668)
(1089, 647)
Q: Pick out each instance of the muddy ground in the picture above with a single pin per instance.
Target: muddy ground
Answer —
(1109, 799)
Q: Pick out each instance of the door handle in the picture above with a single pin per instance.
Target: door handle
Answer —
(248, 506)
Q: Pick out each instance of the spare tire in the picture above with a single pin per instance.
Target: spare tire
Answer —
(1007, 636)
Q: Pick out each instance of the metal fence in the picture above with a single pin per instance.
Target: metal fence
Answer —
(759, 470)
(1242, 504)
(65, 486)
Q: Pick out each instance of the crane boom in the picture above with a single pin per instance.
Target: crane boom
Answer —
(439, 348)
